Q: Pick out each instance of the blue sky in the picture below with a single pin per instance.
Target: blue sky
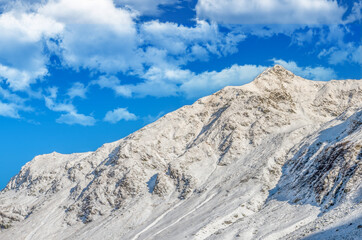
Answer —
(75, 74)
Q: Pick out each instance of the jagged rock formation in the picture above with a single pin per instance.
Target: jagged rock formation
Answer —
(277, 158)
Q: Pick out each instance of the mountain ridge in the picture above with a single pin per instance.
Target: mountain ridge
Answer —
(205, 163)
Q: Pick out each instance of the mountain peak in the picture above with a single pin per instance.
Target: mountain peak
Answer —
(274, 75)
(279, 67)
(278, 71)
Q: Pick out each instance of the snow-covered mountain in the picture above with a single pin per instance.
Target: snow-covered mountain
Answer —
(278, 158)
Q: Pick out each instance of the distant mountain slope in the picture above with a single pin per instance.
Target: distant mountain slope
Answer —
(279, 157)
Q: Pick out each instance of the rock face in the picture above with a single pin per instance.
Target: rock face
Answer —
(278, 158)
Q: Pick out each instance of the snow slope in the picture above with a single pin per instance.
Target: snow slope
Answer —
(278, 158)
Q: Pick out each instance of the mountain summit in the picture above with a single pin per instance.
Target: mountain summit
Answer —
(278, 72)
(278, 158)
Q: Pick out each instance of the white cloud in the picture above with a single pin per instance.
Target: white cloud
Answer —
(312, 73)
(59, 107)
(356, 13)
(107, 82)
(9, 110)
(50, 102)
(88, 12)
(345, 52)
(25, 5)
(302, 37)
(11, 97)
(173, 75)
(28, 27)
(338, 56)
(113, 83)
(146, 7)
(271, 11)
(73, 118)
(22, 60)
(339, 48)
(189, 42)
(97, 35)
(91, 34)
(11, 104)
(175, 38)
(356, 56)
(70, 116)
(119, 114)
(157, 88)
(269, 30)
(21, 79)
(163, 82)
(160, 82)
(208, 82)
(77, 90)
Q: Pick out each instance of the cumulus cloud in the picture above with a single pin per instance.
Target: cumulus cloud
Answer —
(91, 34)
(101, 37)
(303, 21)
(73, 118)
(271, 11)
(119, 114)
(97, 35)
(22, 59)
